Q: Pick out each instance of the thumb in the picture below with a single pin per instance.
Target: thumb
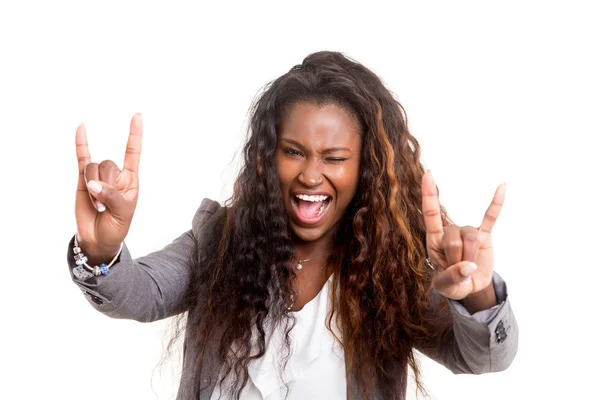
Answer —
(110, 197)
(455, 281)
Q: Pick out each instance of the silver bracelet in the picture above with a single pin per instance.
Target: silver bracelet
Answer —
(81, 261)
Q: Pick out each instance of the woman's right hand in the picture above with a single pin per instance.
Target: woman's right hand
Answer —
(103, 218)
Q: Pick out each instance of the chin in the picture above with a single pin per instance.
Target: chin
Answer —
(308, 234)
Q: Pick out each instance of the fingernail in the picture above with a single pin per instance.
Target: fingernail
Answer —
(94, 186)
(101, 207)
(468, 269)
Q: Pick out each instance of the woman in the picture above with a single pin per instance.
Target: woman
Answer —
(330, 265)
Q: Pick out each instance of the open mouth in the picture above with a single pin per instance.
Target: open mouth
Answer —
(310, 209)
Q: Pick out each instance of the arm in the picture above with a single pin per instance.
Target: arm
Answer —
(486, 341)
(480, 301)
(148, 288)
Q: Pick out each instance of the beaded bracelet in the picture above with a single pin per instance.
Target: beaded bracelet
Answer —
(81, 261)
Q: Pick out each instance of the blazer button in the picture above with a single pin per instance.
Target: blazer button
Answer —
(500, 331)
(95, 299)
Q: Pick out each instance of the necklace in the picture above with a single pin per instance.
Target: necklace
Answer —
(299, 266)
(294, 298)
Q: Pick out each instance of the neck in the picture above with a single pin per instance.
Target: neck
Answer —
(322, 246)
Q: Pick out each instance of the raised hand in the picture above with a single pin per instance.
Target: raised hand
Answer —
(106, 196)
(463, 257)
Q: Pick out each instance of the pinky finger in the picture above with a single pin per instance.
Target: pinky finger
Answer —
(493, 211)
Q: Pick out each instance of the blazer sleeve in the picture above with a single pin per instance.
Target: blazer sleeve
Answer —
(486, 341)
(151, 287)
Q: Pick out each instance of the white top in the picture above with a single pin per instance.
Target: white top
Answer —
(316, 368)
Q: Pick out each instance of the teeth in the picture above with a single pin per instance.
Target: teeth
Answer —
(321, 209)
(306, 197)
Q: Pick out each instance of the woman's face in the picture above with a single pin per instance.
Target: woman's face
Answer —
(317, 161)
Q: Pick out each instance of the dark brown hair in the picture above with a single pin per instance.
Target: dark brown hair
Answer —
(384, 305)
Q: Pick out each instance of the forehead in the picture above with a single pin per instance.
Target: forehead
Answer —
(328, 123)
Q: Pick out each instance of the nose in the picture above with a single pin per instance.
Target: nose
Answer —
(311, 175)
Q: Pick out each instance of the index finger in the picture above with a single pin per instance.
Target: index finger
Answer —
(134, 145)
(431, 206)
(83, 154)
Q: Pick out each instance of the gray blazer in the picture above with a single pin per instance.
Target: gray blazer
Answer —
(150, 288)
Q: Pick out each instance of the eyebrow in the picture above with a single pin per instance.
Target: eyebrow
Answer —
(328, 150)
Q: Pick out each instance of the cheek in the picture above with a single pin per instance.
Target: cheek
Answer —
(284, 171)
(346, 180)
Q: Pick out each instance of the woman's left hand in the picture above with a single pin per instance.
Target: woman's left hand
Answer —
(463, 257)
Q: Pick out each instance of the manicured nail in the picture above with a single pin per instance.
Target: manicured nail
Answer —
(101, 207)
(94, 186)
(468, 269)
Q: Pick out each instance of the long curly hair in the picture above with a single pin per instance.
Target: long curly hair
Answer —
(383, 307)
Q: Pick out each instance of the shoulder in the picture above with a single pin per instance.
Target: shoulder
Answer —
(207, 208)
(209, 215)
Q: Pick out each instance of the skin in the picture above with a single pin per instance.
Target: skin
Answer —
(104, 216)
(463, 257)
(106, 199)
(318, 151)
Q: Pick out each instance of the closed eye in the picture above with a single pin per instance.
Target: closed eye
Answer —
(335, 159)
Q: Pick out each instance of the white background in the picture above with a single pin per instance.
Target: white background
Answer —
(503, 91)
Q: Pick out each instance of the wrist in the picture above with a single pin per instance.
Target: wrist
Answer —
(94, 256)
(98, 254)
(482, 300)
